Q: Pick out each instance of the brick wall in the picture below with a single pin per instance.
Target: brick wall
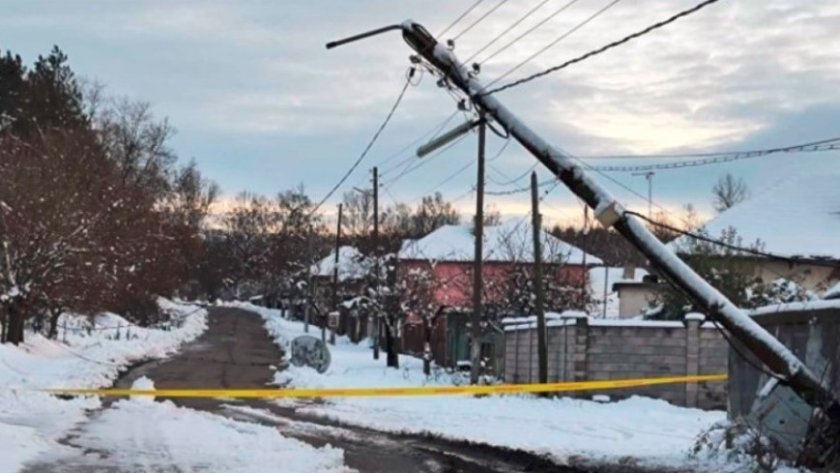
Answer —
(581, 348)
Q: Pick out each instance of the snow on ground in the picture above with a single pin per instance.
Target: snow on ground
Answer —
(32, 421)
(652, 431)
(160, 436)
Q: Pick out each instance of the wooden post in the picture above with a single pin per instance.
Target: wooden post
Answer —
(335, 277)
(539, 306)
(310, 290)
(376, 253)
(478, 282)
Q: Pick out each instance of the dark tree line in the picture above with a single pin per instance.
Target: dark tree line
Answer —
(95, 213)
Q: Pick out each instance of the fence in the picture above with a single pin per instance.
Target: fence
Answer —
(810, 329)
(582, 348)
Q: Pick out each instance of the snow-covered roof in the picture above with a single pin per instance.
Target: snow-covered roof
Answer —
(352, 264)
(507, 242)
(798, 217)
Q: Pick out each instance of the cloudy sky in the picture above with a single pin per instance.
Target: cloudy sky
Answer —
(262, 105)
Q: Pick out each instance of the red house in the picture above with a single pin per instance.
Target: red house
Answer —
(437, 272)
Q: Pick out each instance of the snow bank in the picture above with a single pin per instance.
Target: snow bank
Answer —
(159, 436)
(652, 431)
(30, 420)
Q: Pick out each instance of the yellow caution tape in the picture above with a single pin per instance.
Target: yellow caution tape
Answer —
(407, 391)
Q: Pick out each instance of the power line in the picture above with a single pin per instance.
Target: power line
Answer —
(424, 161)
(369, 145)
(719, 158)
(518, 177)
(433, 132)
(461, 17)
(507, 30)
(459, 171)
(480, 19)
(604, 48)
(554, 43)
(721, 243)
(528, 31)
(436, 129)
(521, 190)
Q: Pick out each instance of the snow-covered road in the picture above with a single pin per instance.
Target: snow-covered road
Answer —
(643, 431)
(225, 435)
(423, 435)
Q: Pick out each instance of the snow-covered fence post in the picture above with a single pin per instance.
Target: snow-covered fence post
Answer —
(692, 355)
(581, 342)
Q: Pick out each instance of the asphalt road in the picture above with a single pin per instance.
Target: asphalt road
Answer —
(236, 352)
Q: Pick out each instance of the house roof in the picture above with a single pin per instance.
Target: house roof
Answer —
(508, 242)
(798, 217)
(351, 264)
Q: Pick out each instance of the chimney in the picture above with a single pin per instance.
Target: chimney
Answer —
(629, 272)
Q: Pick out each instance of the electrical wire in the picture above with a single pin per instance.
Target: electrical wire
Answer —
(603, 49)
(480, 19)
(721, 158)
(827, 144)
(435, 131)
(506, 30)
(424, 161)
(528, 31)
(461, 17)
(554, 43)
(369, 145)
(697, 236)
(521, 190)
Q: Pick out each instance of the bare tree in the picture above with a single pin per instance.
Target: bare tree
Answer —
(728, 192)
(358, 212)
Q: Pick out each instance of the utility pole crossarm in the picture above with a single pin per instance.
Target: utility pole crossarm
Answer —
(611, 213)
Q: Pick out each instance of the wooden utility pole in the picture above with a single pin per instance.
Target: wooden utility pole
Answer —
(310, 290)
(376, 253)
(536, 224)
(335, 276)
(478, 280)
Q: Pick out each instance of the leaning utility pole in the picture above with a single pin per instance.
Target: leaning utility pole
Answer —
(536, 224)
(376, 252)
(335, 278)
(611, 213)
(478, 280)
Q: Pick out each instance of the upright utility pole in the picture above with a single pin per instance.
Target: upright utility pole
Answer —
(335, 278)
(376, 252)
(536, 224)
(478, 280)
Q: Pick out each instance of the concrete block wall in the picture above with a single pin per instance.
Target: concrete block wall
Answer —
(581, 349)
